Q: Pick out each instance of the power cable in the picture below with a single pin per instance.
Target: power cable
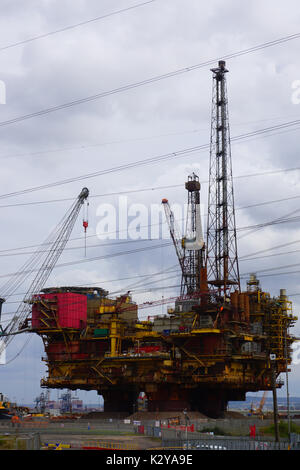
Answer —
(282, 219)
(100, 281)
(122, 141)
(266, 224)
(157, 188)
(101, 144)
(118, 193)
(9, 252)
(272, 269)
(279, 220)
(271, 248)
(270, 256)
(258, 204)
(245, 275)
(96, 258)
(156, 159)
(151, 80)
(132, 289)
(66, 28)
(172, 268)
(98, 245)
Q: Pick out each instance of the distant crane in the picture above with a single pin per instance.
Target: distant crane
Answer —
(41, 402)
(43, 261)
(66, 402)
(258, 411)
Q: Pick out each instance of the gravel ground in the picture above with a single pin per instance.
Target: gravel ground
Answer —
(160, 415)
(76, 441)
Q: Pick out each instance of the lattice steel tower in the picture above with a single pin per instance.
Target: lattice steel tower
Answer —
(221, 256)
(189, 249)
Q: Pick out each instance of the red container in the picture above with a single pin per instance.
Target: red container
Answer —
(71, 311)
(80, 356)
(56, 347)
(73, 346)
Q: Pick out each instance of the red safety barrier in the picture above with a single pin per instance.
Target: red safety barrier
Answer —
(34, 424)
(141, 429)
(179, 428)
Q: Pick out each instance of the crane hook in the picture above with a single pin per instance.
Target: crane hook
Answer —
(85, 222)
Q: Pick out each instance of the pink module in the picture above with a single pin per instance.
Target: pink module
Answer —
(70, 311)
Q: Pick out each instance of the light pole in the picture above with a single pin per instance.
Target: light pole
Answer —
(287, 388)
(186, 421)
(275, 407)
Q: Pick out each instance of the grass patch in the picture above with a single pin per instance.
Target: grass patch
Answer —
(100, 432)
(9, 443)
(283, 429)
(91, 432)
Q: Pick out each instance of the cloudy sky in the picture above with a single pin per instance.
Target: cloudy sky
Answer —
(123, 46)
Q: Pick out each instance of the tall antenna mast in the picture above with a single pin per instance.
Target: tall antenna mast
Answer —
(222, 259)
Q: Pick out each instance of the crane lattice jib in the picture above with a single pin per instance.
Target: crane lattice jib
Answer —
(176, 238)
(59, 237)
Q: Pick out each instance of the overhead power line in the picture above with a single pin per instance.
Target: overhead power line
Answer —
(282, 219)
(270, 256)
(127, 140)
(274, 222)
(111, 255)
(133, 289)
(272, 269)
(126, 166)
(13, 252)
(283, 245)
(142, 278)
(96, 258)
(117, 193)
(160, 158)
(274, 274)
(157, 188)
(73, 26)
(151, 80)
(102, 144)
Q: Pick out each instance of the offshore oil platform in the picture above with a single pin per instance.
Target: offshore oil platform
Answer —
(214, 346)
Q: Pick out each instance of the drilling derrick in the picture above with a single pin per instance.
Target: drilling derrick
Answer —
(193, 242)
(222, 260)
(190, 248)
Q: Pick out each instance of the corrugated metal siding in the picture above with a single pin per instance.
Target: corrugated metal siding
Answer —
(71, 310)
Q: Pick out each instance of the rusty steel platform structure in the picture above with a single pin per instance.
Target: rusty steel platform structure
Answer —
(216, 344)
(196, 357)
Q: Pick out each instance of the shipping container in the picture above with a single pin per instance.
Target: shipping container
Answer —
(101, 332)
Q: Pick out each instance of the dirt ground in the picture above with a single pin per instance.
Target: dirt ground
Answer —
(161, 415)
(77, 441)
